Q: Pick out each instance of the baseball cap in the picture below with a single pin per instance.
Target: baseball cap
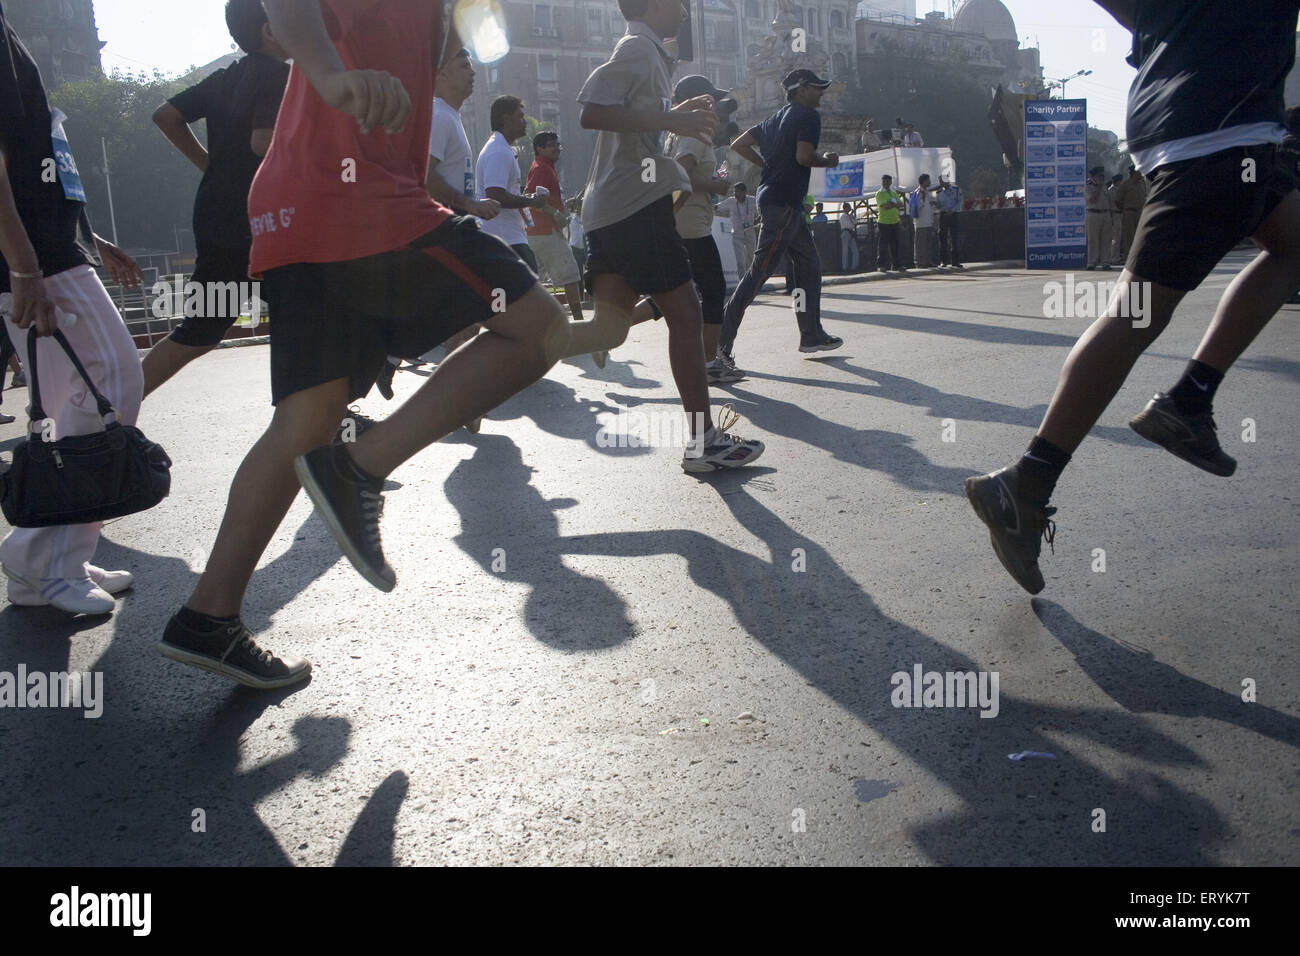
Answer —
(695, 85)
(797, 78)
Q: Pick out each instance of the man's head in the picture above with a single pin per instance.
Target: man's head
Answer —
(871, 124)
(805, 88)
(741, 191)
(507, 117)
(886, 182)
(1097, 173)
(546, 145)
(248, 26)
(819, 207)
(456, 78)
(664, 17)
(847, 207)
(924, 180)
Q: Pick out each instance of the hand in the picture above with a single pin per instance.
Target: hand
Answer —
(483, 208)
(698, 124)
(32, 306)
(374, 98)
(832, 159)
(702, 102)
(535, 201)
(122, 268)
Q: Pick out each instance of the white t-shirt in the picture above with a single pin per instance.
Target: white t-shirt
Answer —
(499, 168)
(695, 218)
(742, 215)
(924, 208)
(848, 223)
(449, 145)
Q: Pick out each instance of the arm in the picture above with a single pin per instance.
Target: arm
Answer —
(374, 98)
(701, 181)
(30, 304)
(806, 154)
(699, 123)
(169, 119)
(508, 200)
(446, 194)
(744, 146)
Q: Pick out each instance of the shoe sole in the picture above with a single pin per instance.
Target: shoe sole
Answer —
(317, 496)
(1153, 425)
(821, 347)
(1012, 565)
(727, 380)
(183, 656)
(697, 466)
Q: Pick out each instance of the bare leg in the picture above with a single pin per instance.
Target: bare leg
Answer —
(1102, 359)
(264, 488)
(712, 333)
(682, 314)
(607, 328)
(1258, 291)
(518, 348)
(166, 359)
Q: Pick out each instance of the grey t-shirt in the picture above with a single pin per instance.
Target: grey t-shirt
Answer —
(629, 170)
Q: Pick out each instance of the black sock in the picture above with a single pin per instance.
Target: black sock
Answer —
(350, 469)
(1040, 468)
(203, 622)
(1194, 393)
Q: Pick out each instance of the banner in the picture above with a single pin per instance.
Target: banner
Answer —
(1056, 168)
(858, 176)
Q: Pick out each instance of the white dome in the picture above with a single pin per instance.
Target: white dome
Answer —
(987, 17)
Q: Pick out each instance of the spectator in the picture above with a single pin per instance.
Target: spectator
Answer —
(889, 203)
(849, 259)
(871, 139)
(924, 234)
(911, 137)
(820, 215)
(742, 209)
(948, 199)
(1132, 196)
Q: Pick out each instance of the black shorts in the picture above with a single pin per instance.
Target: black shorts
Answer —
(341, 319)
(526, 253)
(706, 269)
(1198, 210)
(644, 249)
(206, 330)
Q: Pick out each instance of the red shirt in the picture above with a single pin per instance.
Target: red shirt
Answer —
(542, 173)
(325, 192)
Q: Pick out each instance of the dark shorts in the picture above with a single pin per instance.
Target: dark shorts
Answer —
(706, 269)
(341, 319)
(1199, 209)
(202, 331)
(644, 249)
(526, 253)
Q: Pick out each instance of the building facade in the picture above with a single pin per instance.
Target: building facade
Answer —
(61, 35)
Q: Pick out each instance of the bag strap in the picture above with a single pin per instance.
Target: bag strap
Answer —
(37, 412)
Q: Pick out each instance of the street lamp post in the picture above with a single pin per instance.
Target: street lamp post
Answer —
(1072, 76)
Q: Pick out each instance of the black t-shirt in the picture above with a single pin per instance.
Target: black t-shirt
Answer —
(234, 101)
(40, 179)
(784, 181)
(1205, 65)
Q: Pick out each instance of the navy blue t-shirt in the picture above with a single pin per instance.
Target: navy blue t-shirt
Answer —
(784, 181)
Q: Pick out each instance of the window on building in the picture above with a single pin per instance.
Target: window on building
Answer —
(617, 25)
(542, 19)
(710, 30)
(814, 22)
(547, 71)
(550, 115)
(727, 78)
(840, 64)
(837, 19)
(595, 23)
(752, 10)
(798, 16)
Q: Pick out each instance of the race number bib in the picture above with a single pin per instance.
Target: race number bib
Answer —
(69, 177)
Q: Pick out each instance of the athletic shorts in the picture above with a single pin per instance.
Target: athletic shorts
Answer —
(644, 249)
(201, 331)
(1199, 209)
(336, 320)
(525, 252)
(556, 261)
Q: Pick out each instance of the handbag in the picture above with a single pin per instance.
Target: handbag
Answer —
(82, 478)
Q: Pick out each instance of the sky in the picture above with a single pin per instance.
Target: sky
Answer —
(1072, 35)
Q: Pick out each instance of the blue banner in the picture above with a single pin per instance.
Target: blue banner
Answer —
(1056, 149)
(845, 180)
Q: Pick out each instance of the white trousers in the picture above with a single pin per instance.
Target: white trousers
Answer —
(102, 342)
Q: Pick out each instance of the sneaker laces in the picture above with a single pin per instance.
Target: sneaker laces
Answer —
(259, 653)
(372, 508)
(727, 418)
(1049, 528)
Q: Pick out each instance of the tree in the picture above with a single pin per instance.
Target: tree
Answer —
(153, 185)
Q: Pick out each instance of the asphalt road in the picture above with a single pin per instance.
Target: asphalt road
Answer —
(593, 658)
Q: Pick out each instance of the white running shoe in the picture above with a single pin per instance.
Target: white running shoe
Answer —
(114, 582)
(717, 450)
(75, 596)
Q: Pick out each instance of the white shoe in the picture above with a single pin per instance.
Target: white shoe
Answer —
(81, 596)
(114, 582)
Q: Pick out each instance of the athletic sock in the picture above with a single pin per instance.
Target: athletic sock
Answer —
(203, 622)
(1194, 393)
(1039, 469)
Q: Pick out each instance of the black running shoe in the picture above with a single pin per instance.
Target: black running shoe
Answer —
(1016, 527)
(819, 341)
(385, 380)
(1191, 437)
(229, 650)
(351, 509)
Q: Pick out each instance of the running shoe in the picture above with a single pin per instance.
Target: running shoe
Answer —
(1016, 526)
(720, 373)
(1191, 437)
(351, 509)
(819, 341)
(718, 450)
(230, 650)
(73, 595)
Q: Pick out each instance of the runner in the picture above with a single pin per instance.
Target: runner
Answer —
(633, 245)
(352, 270)
(1197, 121)
(239, 103)
(788, 140)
